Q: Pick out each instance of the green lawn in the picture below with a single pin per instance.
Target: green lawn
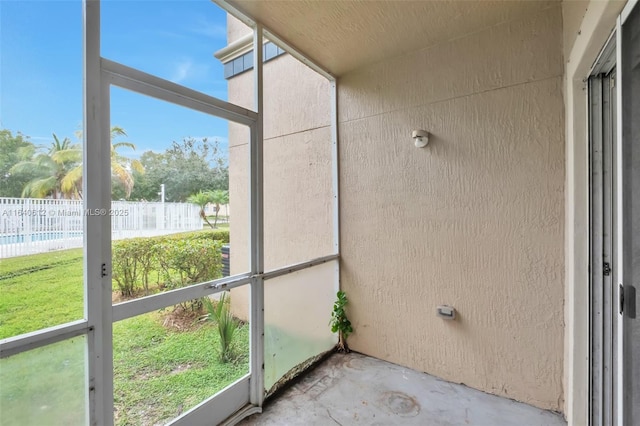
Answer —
(158, 372)
(40, 291)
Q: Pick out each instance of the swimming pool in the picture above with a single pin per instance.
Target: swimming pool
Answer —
(39, 236)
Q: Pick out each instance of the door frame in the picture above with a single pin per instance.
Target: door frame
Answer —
(602, 292)
(606, 326)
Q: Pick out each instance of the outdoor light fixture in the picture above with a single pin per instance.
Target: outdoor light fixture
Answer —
(420, 138)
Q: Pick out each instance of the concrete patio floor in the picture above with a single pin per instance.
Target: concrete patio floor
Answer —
(356, 389)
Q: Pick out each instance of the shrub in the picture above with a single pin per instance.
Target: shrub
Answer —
(125, 268)
(189, 261)
(179, 260)
(209, 234)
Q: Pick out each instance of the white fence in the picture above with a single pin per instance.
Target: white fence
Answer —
(29, 226)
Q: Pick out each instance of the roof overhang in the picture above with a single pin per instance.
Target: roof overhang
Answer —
(341, 36)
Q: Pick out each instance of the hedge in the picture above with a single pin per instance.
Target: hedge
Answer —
(177, 260)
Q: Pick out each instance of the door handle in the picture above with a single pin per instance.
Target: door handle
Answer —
(628, 300)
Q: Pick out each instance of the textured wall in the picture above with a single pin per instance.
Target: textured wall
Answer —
(475, 220)
(346, 35)
(236, 29)
(572, 14)
(297, 168)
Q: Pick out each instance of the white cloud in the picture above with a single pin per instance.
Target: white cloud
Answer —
(209, 28)
(182, 71)
(187, 69)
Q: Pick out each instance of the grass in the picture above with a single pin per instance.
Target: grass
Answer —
(159, 372)
(40, 291)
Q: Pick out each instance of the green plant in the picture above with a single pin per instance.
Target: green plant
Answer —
(133, 261)
(189, 261)
(339, 322)
(124, 267)
(218, 198)
(178, 259)
(227, 325)
(201, 199)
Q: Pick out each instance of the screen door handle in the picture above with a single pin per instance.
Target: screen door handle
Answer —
(628, 300)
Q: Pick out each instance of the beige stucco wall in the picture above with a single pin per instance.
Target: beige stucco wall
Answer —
(475, 220)
(298, 213)
(236, 29)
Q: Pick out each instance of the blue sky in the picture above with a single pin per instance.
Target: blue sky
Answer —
(41, 67)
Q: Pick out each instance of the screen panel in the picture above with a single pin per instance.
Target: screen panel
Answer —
(45, 385)
(297, 312)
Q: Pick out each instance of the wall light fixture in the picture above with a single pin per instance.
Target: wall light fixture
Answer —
(420, 138)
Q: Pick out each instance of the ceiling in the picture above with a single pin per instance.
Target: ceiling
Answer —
(345, 35)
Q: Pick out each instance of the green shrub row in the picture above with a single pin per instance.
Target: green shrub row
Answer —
(167, 262)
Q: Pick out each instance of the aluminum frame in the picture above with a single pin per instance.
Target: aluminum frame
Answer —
(26, 342)
(256, 206)
(602, 288)
(97, 235)
(618, 227)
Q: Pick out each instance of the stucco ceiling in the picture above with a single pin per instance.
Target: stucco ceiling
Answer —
(344, 35)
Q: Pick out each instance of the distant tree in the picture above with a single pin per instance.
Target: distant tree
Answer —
(13, 150)
(51, 167)
(122, 168)
(218, 198)
(201, 199)
(186, 168)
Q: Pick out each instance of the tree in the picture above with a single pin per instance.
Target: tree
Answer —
(13, 150)
(185, 168)
(122, 168)
(218, 198)
(51, 167)
(201, 199)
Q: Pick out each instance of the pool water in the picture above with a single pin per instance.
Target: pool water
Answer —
(40, 236)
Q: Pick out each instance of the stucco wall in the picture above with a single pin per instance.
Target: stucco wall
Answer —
(236, 29)
(297, 169)
(475, 220)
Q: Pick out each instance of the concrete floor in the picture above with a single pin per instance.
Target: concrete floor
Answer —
(356, 389)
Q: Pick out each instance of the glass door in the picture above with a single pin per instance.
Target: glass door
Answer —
(602, 290)
(629, 206)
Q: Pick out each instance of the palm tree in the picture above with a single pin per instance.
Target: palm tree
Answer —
(201, 199)
(52, 167)
(219, 198)
(121, 166)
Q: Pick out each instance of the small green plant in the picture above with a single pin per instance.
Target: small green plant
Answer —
(340, 323)
(227, 325)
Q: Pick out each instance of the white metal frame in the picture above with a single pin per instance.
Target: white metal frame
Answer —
(602, 288)
(239, 394)
(617, 212)
(99, 75)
